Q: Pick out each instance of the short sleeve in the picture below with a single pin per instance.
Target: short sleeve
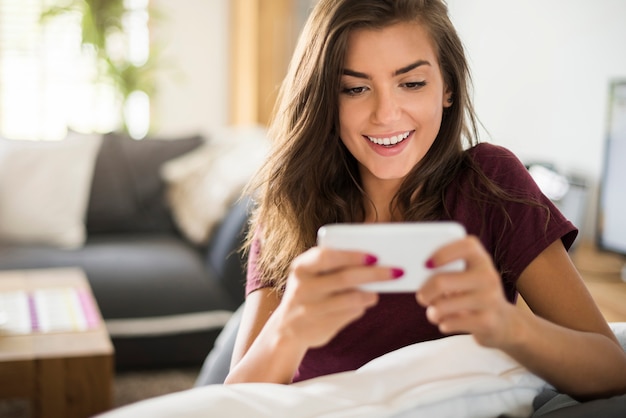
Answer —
(514, 231)
(253, 276)
(531, 228)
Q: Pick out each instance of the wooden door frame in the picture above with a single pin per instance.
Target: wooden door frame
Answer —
(262, 38)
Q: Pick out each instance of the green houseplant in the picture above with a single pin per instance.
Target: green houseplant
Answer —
(102, 29)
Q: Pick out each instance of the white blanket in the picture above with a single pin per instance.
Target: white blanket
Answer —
(450, 377)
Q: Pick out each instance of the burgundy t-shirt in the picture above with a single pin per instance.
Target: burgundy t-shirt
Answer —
(514, 241)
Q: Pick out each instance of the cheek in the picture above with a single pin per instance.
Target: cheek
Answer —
(429, 115)
(347, 122)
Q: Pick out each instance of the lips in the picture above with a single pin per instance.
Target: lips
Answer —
(389, 141)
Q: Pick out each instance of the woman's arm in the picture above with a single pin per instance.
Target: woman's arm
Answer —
(272, 360)
(321, 297)
(567, 342)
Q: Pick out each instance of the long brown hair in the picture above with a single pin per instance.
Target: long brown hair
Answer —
(310, 179)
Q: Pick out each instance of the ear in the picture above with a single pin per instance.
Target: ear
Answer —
(448, 98)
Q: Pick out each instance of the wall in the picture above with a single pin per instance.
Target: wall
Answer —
(541, 72)
(192, 91)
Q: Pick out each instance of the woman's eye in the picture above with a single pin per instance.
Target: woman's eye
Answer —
(414, 85)
(353, 91)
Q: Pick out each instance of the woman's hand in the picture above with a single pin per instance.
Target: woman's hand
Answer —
(471, 301)
(322, 294)
(321, 297)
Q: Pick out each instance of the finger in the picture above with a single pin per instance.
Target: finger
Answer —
(333, 305)
(459, 304)
(481, 324)
(446, 284)
(455, 320)
(469, 249)
(319, 321)
(455, 324)
(351, 302)
(479, 271)
(350, 278)
(483, 317)
(319, 260)
(442, 285)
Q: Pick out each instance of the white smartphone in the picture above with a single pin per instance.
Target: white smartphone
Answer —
(405, 245)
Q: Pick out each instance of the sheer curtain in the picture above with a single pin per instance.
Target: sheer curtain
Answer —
(49, 82)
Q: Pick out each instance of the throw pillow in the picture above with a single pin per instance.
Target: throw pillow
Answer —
(127, 193)
(203, 184)
(44, 187)
(449, 377)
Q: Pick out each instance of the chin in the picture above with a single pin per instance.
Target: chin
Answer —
(390, 175)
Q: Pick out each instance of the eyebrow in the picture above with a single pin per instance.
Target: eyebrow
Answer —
(399, 71)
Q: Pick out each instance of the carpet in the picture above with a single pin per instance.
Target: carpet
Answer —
(135, 386)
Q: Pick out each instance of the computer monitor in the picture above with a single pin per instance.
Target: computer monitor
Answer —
(611, 225)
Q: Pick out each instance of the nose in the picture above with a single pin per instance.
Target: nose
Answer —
(386, 108)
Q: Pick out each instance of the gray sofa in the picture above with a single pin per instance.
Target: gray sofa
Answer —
(164, 299)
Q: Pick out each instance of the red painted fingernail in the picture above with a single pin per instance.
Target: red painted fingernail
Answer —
(430, 264)
(396, 273)
(370, 260)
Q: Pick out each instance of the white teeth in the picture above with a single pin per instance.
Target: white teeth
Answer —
(389, 141)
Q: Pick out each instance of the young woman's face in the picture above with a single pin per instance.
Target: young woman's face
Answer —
(391, 100)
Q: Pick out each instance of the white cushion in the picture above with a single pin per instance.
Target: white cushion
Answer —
(619, 329)
(450, 377)
(202, 184)
(44, 189)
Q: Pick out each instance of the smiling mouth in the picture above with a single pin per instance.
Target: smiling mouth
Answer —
(389, 141)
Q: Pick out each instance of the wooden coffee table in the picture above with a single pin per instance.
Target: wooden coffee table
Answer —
(66, 373)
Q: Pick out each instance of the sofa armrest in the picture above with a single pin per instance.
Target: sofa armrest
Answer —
(217, 364)
(224, 259)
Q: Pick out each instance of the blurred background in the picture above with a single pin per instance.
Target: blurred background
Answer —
(542, 70)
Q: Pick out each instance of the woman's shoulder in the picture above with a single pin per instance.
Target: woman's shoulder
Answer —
(497, 161)
(486, 152)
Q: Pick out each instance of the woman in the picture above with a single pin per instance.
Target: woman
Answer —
(370, 127)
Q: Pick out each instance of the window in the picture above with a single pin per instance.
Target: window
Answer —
(50, 81)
